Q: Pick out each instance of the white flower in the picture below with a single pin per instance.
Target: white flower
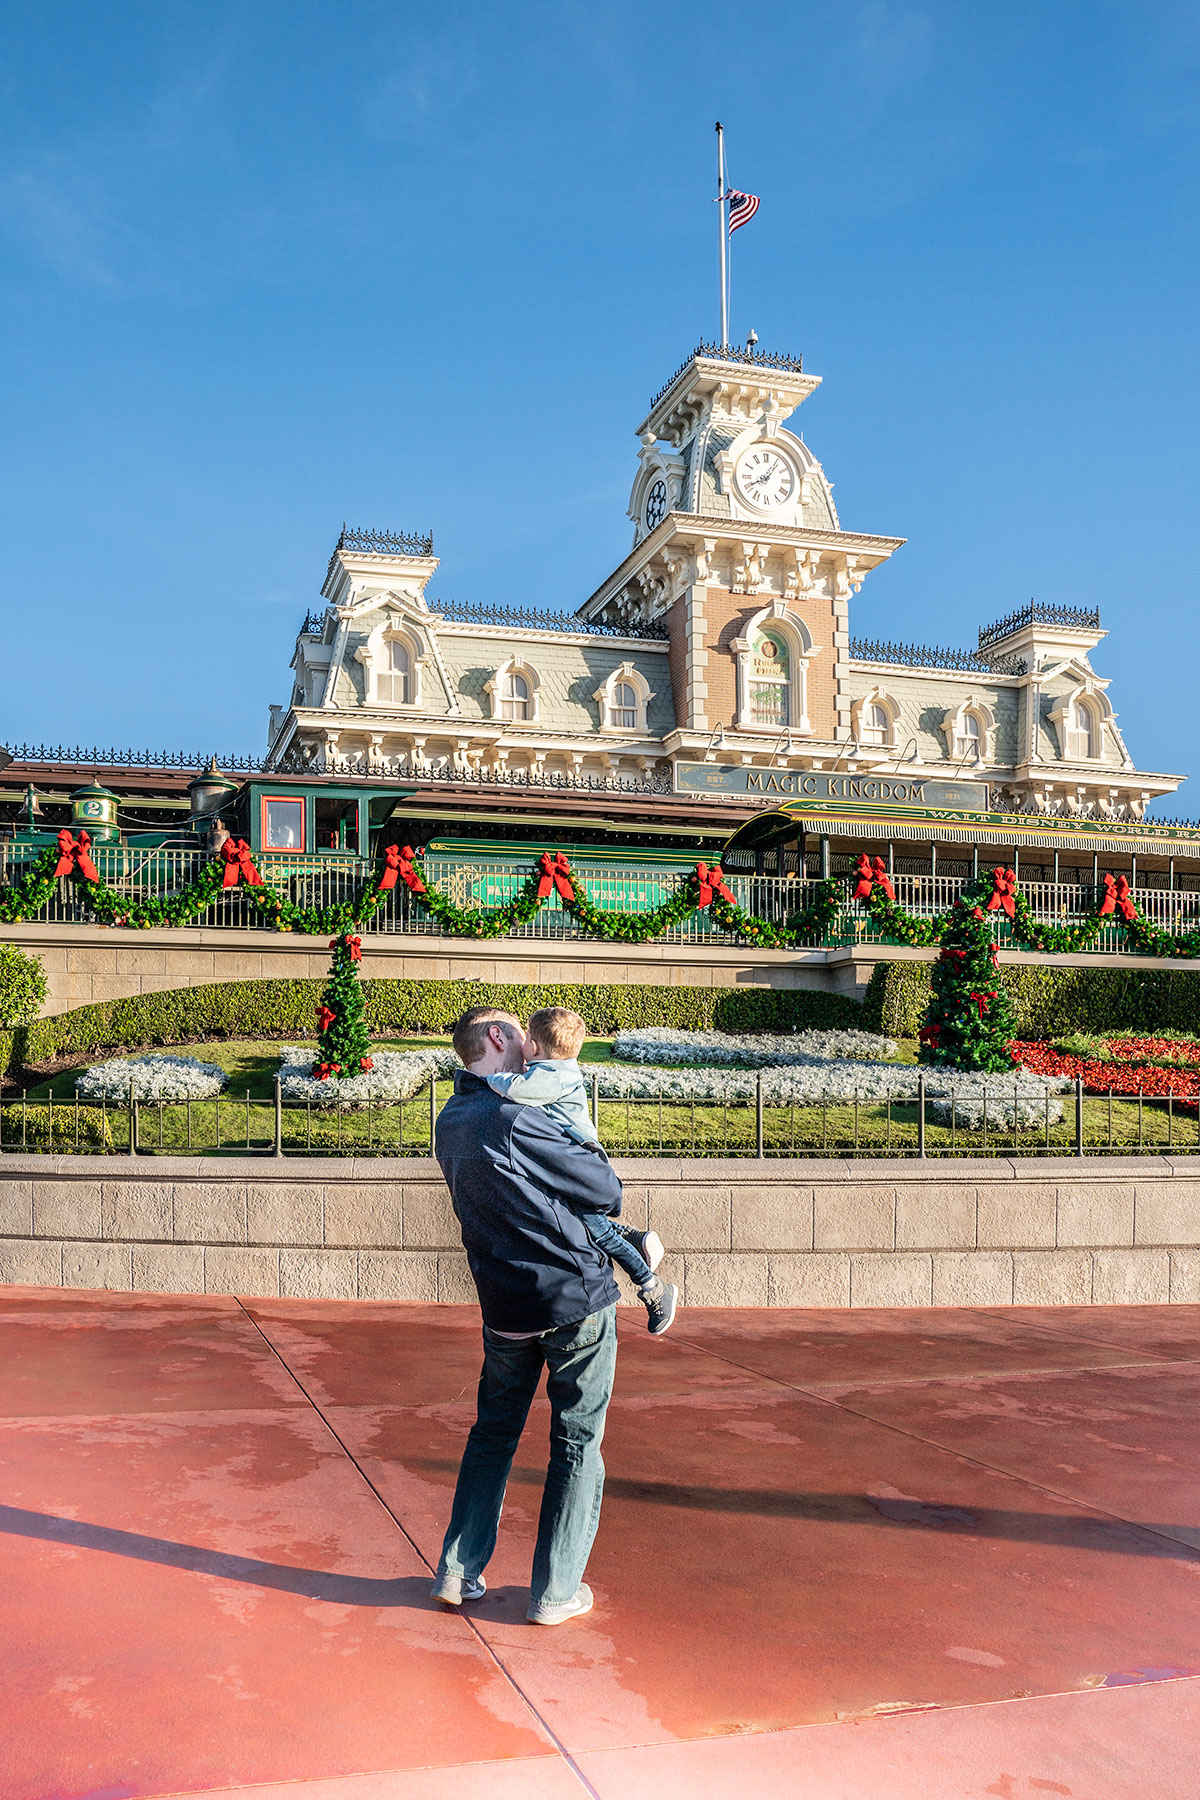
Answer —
(394, 1075)
(660, 1044)
(153, 1077)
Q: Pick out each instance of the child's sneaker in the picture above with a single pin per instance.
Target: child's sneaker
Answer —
(660, 1298)
(648, 1245)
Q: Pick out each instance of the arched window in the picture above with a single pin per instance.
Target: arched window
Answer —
(394, 681)
(515, 701)
(770, 680)
(875, 724)
(622, 706)
(1088, 730)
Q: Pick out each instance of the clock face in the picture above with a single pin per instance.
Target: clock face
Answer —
(765, 478)
(656, 505)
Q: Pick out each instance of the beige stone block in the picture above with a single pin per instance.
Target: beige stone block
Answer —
(729, 1279)
(934, 1215)
(1052, 1278)
(454, 1284)
(284, 1213)
(319, 1274)
(361, 1216)
(96, 1266)
(429, 1221)
(902, 1278)
(209, 1212)
(1019, 1215)
(772, 1215)
(822, 1278)
(854, 1216)
(635, 1207)
(136, 1209)
(241, 1271)
(66, 1209)
(1185, 1277)
(112, 987)
(1168, 1212)
(30, 1264)
(1095, 1214)
(397, 1275)
(1131, 1277)
(972, 1278)
(140, 960)
(92, 959)
(53, 958)
(16, 1207)
(168, 1268)
(691, 1217)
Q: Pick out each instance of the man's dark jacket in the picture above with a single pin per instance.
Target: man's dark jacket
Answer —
(518, 1183)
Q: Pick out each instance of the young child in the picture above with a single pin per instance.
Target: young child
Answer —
(552, 1080)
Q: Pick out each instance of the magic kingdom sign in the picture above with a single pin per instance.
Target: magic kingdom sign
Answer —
(872, 791)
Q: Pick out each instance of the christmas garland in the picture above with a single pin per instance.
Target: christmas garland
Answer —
(703, 889)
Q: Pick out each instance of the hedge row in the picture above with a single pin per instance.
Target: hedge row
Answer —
(1048, 1002)
(270, 1009)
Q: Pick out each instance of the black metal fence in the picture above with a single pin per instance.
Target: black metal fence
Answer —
(920, 1126)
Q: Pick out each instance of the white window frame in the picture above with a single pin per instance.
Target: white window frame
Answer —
(777, 619)
(858, 717)
(625, 675)
(960, 744)
(498, 690)
(1072, 738)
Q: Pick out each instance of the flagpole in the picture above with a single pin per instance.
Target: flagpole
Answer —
(723, 222)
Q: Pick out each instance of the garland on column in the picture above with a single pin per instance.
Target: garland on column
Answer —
(343, 1048)
(969, 1022)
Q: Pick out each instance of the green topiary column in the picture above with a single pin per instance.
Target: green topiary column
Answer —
(969, 1023)
(344, 1046)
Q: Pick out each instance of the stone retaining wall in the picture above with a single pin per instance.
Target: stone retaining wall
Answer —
(1040, 1231)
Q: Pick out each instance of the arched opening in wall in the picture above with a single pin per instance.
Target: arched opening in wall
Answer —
(516, 702)
(770, 680)
(623, 708)
(394, 681)
(876, 724)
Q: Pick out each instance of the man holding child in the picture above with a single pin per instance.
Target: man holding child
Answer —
(537, 1200)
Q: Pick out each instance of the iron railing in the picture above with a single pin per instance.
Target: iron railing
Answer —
(917, 1125)
(926, 656)
(386, 543)
(532, 618)
(1040, 612)
(93, 758)
(734, 353)
(485, 882)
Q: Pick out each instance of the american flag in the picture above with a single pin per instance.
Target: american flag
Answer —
(742, 208)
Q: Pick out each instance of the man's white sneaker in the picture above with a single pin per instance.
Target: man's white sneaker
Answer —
(582, 1602)
(452, 1590)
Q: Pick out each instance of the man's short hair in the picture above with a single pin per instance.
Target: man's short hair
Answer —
(558, 1031)
(470, 1037)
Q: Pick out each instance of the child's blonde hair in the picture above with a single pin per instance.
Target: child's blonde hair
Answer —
(558, 1032)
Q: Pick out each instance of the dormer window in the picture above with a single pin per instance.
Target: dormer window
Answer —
(394, 680)
(514, 693)
(875, 723)
(515, 702)
(1083, 735)
(970, 730)
(623, 699)
(770, 680)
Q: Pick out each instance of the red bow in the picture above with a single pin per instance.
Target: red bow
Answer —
(929, 1034)
(353, 945)
(983, 1001)
(325, 1017)
(75, 854)
(1004, 884)
(1117, 899)
(872, 874)
(399, 862)
(712, 882)
(323, 1071)
(367, 1063)
(556, 873)
(239, 865)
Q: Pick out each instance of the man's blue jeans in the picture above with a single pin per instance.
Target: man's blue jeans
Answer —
(580, 1361)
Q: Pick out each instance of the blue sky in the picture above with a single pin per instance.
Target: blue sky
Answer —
(266, 267)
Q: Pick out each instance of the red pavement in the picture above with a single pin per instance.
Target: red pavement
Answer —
(844, 1556)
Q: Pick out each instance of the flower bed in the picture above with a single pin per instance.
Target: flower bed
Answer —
(1118, 1074)
(660, 1044)
(394, 1075)
(153, 1078)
